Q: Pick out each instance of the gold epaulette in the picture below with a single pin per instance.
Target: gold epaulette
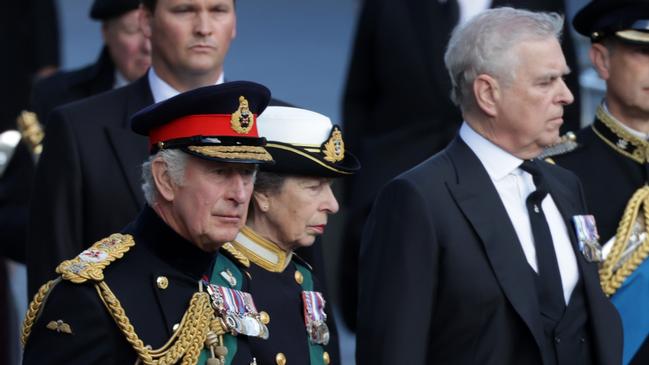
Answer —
(630, 247)
(90, 264)
(238, 255)
(567, 143)
(32, 131)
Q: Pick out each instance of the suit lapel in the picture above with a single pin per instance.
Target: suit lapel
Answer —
(139, 97)
(478, 199)
(131, 149)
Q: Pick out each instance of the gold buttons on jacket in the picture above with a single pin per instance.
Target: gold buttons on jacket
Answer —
(265, 317)
(298, 277)
(280, 359)
(162, 282)
(325, 357)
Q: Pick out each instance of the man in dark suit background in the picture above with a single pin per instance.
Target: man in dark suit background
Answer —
(471, 257)
(125, 57)
(394, 72)
(91, 158)
(29, 39)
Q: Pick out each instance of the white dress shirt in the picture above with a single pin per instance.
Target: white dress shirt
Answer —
(161, 90)
(513, 186)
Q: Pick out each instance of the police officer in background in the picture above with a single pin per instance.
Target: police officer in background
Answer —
(611, 158)
(146, 294)
(125, 56)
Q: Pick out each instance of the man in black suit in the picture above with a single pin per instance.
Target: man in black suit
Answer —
(91, 158)
(403, 65)
(125, 57)
(471, 257)
(610, 157)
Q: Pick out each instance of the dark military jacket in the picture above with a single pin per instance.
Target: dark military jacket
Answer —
(612, 165)
(276, 281)
(154, 282)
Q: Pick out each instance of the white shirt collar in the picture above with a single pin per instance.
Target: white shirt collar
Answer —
(498, 162)
(641, 135)
(120, 80)
(162, 91)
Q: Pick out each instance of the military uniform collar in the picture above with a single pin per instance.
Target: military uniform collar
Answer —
(619, 137)
(151, 231)
(261, 251)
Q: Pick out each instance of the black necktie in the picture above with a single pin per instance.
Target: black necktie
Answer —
(549, 279)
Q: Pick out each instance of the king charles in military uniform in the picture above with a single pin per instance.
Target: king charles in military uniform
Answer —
(611, 157)
(158, 292)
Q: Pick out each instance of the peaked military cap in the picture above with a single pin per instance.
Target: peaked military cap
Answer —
(216, 122)
(106, 9)
(626, 20)
(303, 142)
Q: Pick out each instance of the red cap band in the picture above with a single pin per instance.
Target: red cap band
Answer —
(209, 125)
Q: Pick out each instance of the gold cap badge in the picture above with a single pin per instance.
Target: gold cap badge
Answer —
(334, 148)
(242, 120)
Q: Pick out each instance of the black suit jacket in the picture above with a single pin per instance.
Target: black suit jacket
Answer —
(443, 277)
(87, 180)
(397, 109)
(48, 93)
(68, 86)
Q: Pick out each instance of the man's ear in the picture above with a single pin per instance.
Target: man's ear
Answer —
(161, 178)
(487, 93)
(233, 35)
(600, 57)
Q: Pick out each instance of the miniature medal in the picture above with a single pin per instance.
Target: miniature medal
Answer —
(315, 317)
(588, 237)
(238, 311)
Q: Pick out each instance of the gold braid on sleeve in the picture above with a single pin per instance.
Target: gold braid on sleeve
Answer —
(34, 309)
(611, 279)
(187, 341)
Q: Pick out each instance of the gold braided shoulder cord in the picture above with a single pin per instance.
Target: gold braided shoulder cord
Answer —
(611, 281)
(186, 342)
(35, 308)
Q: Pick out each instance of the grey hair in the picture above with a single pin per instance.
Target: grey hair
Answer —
(483, 45)
(269, 182)
(176, 161)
